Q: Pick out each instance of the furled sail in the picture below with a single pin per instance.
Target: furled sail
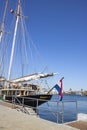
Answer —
(35, 76)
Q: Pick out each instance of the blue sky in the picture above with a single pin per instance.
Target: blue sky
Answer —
(59, 30)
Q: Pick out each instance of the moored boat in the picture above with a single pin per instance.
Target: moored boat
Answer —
(20, 86)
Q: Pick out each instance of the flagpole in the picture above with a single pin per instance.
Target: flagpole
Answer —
(61, 86)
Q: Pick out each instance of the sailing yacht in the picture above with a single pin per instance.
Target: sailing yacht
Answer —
(21, 86)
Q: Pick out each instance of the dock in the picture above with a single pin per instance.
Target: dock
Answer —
(82, 125)
(11, 119)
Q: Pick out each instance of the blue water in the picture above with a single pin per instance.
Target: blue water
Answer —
(48, 110)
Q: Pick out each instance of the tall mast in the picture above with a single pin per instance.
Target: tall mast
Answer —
(3, 21)
(14, 38)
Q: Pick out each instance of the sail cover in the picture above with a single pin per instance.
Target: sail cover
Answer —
(35, 76)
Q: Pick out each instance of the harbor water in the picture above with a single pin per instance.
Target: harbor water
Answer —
(67, 112)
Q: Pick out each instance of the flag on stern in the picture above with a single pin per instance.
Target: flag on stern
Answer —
(60, 88)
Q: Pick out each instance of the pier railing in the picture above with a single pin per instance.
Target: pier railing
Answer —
(61, 111)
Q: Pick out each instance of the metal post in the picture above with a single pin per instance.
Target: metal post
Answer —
(13, 102)
(57, 110)
(76, 110)
(62, 112)
(23, 103)
(37, 107)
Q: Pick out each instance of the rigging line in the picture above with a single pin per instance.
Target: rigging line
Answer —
(47, 84)
(38, 54)
(31, 43)
(4, 52)
(21, 55)
(20, 30)
(35, 49)
(4, 47)
(5, 38)
(23, 30)
(5, 11)
(45, 68)
(24, 55)
(28, 47)
(3, 21)
(4, 59)
(9, 45)
(14, 39)
(12, 30)
(31, 54)
(18, 52)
